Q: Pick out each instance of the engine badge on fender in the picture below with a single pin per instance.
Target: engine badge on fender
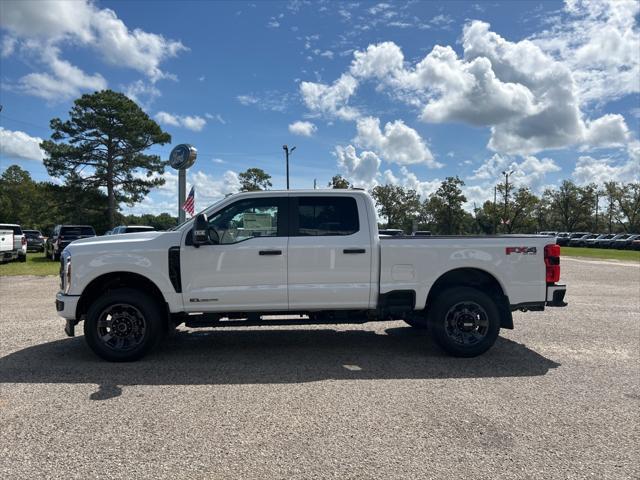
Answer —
(521, 250)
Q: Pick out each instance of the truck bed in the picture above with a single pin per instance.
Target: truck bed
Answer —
(416, 263)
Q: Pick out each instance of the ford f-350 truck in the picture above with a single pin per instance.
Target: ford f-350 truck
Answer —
(300, 257)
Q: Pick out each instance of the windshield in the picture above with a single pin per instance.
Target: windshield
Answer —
(77, 231)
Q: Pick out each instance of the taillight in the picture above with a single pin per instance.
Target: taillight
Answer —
(552, 262)
(24, 241)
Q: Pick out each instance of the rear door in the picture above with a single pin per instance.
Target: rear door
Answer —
(330, 253)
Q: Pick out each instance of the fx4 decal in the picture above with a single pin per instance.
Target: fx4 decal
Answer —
(521, 250)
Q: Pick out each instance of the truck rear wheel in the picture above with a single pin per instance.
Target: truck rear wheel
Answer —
(465, 322)
(123, 325)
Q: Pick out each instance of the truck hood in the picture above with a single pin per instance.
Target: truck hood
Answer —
(125, 241)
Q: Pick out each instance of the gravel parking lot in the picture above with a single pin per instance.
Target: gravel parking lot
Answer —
(558, 397)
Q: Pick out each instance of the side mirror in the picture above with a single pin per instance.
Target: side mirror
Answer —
(200, 230)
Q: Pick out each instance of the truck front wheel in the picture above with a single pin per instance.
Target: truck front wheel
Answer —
(123, 325)
(465, 322)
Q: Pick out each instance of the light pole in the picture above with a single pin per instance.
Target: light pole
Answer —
(506, 194)
(286, 154)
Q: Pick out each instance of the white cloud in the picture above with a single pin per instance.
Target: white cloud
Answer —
(530, 172)
(398, 143)
(378, 8)
(607, 131)
(273, 23)
(362, 170)
(81, 22)
(272, 100)
(17, 144)
(377, 61)
(216, 117)
(210, 188)
(142, 93)
(8, 46)
(190, 122)
(599, 41)
(247, 99)
(331, 100)
(599, 171)
(63, 82)
(410, 180)
(305, 129)
(529, 99)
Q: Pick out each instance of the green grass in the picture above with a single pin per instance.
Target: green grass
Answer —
(610, 254)
(36, 264)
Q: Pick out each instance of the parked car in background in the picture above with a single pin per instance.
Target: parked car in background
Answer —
(581, 241)
(393, 232)
(593, 242)
(635, 245)
(63, 235)
(562, 238)
(422, 233)
(564, 241)
(108, 232)
(621, 242)
(131, 229)
(35, 240)
(13, 243)
(549, 234)
(608, 242)
(629, 242)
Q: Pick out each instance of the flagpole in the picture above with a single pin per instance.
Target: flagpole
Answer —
(182, 187)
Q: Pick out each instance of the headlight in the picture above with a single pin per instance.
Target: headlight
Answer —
(67, 275)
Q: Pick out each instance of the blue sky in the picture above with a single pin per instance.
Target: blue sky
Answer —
(381, 92)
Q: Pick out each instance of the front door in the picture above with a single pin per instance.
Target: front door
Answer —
(330, 253)
(247, 270)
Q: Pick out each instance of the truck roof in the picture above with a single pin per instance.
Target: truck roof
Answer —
(322, 191)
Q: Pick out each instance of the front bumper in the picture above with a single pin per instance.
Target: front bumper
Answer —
(555, 296)
(66, 305)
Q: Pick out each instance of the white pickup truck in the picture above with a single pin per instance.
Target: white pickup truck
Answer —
(300, 257)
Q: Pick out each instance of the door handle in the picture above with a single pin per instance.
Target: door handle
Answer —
(270, 252)
(354, 250)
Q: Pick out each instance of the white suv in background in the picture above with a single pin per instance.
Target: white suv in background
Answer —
(13, 243)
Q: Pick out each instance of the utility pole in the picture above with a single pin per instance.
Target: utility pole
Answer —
(286, 154)
(315, 183)
(597, 195)
(495, 210)
(506, 194)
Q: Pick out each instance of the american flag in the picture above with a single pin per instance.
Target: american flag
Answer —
(190, 203)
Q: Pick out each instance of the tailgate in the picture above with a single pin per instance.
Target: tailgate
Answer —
(6, 240)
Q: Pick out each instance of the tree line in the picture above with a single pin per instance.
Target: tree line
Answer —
(570, 207)
(613, 208)
(98, 160)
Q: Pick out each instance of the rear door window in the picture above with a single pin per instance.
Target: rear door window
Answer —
(326, 216)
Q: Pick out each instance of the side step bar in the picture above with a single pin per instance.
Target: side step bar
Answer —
(212, 320)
